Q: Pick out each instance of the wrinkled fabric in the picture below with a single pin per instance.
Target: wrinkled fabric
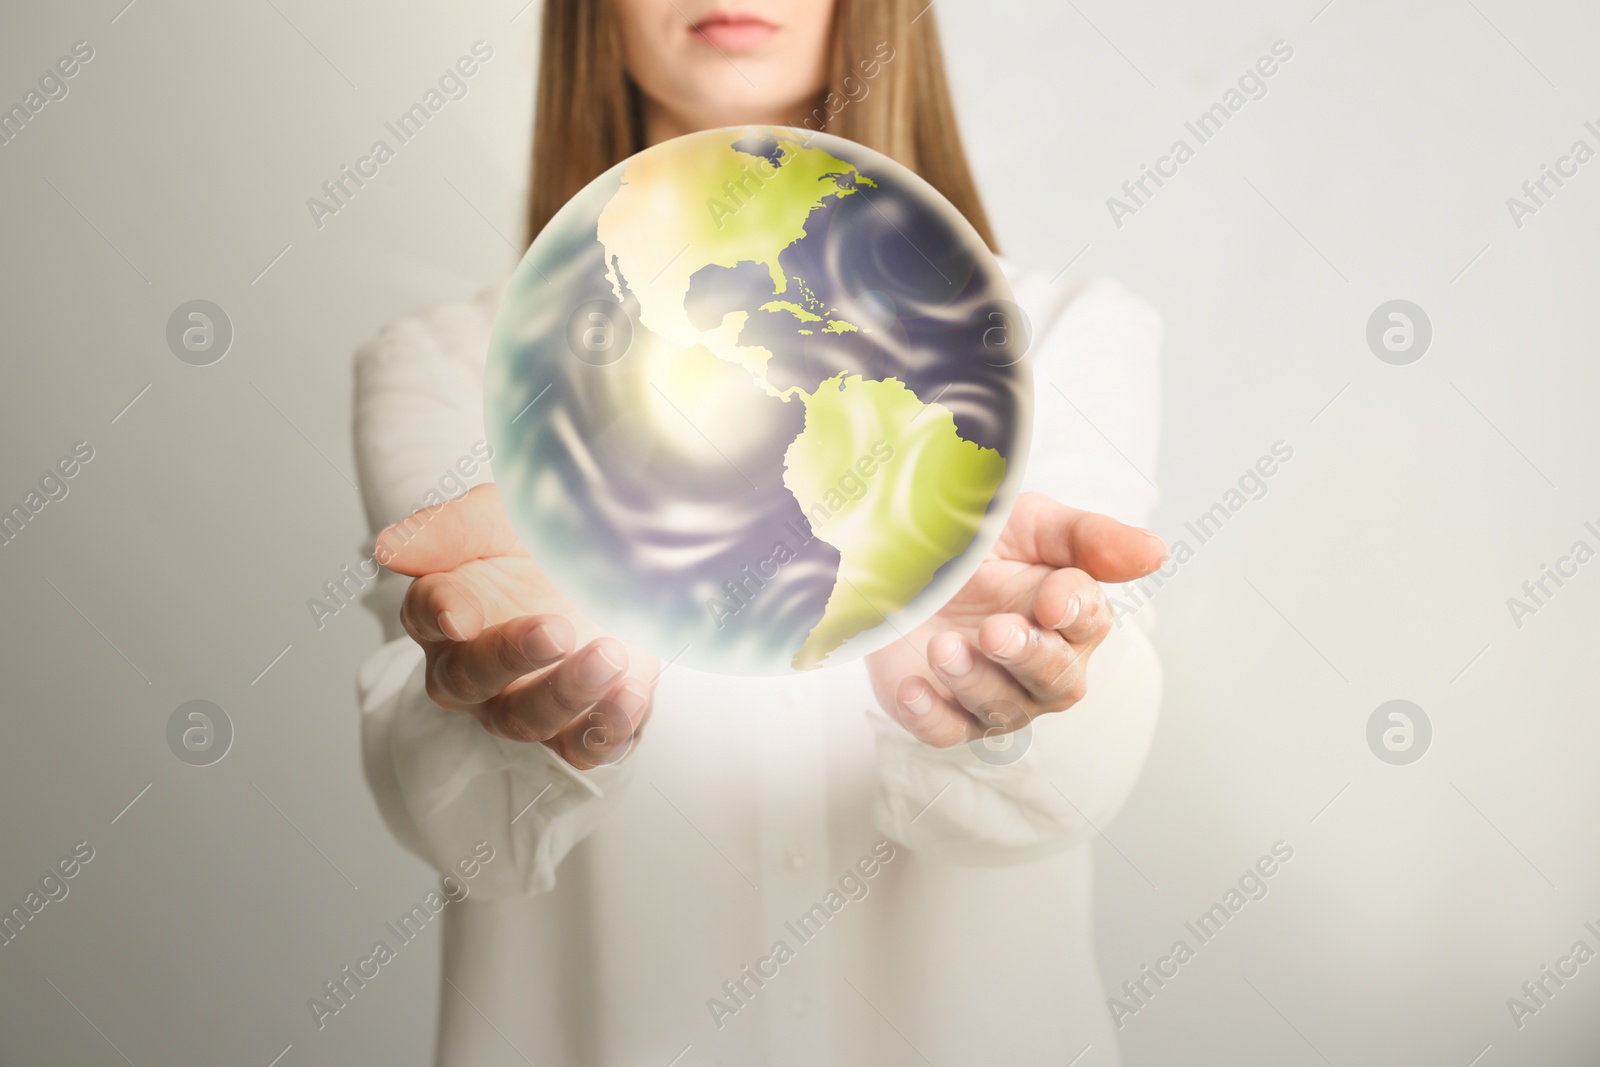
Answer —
(623, 898)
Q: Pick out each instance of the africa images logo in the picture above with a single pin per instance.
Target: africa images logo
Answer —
(853, 885)
(340, 990)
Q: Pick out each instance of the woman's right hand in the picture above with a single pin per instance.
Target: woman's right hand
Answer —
(503, 645)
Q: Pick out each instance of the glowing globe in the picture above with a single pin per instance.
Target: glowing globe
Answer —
(758, 400)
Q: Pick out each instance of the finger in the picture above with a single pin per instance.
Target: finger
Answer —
(1041, 660)
(928, 715)
(536, 709)
(446, 535)
(1073, 604)
(440, 607)
(987, 690)
(1043, 529)
(607, 731)
(470, 672)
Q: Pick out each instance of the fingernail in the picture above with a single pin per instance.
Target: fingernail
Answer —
(632, 699)
(1014, 643)
(540, 645)
(451, 628)
(1161, 545)
(1069, 616)
(958, 663)
(597, 669)
(920, 704)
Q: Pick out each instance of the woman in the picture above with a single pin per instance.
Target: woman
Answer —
(824, 869)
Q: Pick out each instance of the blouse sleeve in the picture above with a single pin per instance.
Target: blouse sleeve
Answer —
(1095, 436)
(441, 781)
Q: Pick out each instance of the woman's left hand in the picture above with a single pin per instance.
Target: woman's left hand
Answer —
(1015, 642)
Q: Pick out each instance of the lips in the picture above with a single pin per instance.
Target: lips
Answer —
(733, 31)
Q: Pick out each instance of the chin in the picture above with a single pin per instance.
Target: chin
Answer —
(728, 108)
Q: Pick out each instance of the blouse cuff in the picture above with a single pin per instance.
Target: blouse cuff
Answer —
(444, 783)
(983, 806)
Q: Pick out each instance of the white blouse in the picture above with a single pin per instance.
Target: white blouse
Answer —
(776, 874)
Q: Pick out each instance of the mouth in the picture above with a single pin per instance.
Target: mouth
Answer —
(733, 31)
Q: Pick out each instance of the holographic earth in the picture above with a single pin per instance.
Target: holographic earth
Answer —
(758, 400)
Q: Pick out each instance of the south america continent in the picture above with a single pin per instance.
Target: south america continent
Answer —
(907, 521)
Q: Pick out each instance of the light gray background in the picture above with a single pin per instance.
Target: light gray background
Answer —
(1378, 565)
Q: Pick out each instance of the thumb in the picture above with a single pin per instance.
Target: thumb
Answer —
(447, 535)
(1052, 533)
